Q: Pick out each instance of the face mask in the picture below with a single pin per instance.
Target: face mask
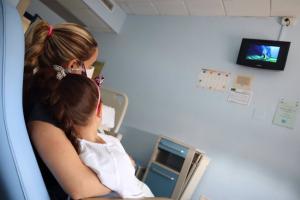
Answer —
(107, 117)
(90, 71)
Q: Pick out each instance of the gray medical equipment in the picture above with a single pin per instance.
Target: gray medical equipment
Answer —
(175, 169)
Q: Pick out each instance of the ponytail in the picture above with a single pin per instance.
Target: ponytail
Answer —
(35, 40)
(47, 45)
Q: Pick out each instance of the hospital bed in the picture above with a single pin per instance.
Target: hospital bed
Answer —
(117, 101)
(20, 177)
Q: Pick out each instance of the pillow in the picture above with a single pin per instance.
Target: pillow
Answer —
(108, 117)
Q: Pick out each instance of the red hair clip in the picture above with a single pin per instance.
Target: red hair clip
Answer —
(50, 31)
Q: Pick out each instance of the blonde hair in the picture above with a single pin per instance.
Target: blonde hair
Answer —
(67, 42)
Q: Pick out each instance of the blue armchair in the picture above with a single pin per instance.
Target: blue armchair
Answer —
(20, 177)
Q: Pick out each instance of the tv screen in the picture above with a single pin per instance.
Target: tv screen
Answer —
(265, 54)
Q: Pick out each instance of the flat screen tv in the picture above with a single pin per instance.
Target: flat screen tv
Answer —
(265, 54)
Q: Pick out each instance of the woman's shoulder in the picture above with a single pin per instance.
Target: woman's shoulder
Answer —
(39, 112)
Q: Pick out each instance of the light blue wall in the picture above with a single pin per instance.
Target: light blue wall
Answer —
(37, 7)
(156, 61)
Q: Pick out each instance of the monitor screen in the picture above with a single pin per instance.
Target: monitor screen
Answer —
(266, 54)
(263, 53)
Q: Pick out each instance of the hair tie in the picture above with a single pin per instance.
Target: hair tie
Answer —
(50, 31)
(60, 72)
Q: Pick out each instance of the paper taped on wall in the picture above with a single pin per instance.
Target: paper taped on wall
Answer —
(240, 96)
(286, 113)
(213, 80)
(243, 82)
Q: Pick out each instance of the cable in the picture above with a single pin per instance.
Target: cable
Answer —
(280, 32)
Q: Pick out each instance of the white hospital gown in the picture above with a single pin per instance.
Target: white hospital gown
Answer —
(113, 167)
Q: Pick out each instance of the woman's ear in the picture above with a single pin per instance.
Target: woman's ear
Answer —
(71, 63)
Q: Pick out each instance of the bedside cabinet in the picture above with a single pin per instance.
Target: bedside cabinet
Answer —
(174, 169)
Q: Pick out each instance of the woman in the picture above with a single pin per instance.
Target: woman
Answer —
(74, 48)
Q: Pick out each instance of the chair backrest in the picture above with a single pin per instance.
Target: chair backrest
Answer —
(118, 101)
(20, 177)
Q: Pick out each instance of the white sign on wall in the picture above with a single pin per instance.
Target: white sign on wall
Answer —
(286, 113)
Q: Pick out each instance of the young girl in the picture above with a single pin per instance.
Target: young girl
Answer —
(75, 103)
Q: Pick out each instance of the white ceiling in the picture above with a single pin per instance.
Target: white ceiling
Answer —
(78, 12)
(211, 7)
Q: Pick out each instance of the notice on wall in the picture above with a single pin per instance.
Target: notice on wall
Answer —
(240, 96)
(286, 113)
(213, 80)
(241, 92)
(243, 82)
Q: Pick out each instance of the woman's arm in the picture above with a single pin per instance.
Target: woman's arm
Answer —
(62, 160)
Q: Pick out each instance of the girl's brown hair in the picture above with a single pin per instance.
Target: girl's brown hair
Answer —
(71, 100)
(67, 42)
